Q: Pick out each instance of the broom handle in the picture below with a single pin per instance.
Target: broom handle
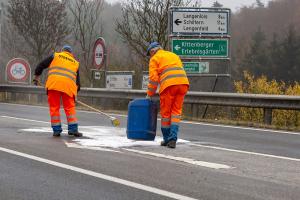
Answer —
(90, 107)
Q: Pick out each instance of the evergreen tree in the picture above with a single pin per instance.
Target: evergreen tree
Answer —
(256, 60)
(290, 56)
(216, 4)
(276, 61)
(260, 4)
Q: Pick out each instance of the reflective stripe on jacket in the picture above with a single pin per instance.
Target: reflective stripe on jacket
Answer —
(62, 74)
(165, 69)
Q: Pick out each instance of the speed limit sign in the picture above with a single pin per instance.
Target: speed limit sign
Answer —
(18, 71)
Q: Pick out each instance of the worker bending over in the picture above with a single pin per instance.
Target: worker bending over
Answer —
(166, 70)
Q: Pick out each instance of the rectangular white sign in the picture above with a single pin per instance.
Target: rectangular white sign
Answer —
(119, 81)
(200, 22)
(196, 67)
(145, 82)
(97, 75)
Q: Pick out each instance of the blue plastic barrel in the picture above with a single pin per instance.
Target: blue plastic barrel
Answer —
(142, 118)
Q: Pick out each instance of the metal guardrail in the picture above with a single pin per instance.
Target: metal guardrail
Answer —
(267, 102)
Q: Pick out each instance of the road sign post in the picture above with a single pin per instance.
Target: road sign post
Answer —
(201, 37)
(99, 53)
(99, 61)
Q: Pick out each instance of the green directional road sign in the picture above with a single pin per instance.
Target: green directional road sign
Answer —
(196, 67)
(212, 48)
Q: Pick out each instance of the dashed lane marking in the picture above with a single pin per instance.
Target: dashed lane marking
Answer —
(100, 175)
(23, 119)
(246, 152)
(181, 159)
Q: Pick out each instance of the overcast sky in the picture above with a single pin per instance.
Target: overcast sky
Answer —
(232, 4)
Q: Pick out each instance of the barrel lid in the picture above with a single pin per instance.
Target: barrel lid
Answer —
(140, 102)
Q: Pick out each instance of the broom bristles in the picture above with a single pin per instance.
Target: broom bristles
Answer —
(115, 122)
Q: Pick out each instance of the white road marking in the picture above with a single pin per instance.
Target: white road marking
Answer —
(77, 146)
(190, 122)
(23, 119)
(246, 152)
(107, 138)
(243, 128)
(181, 159)
(29, 120)
(99, 175)
(211, 147)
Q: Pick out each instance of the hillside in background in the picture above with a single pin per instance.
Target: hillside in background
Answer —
(265, 40)
(258, 28)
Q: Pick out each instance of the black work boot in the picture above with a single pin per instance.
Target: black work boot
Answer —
(56, 134)
(75, 133)
(163, 143)
(171, 144)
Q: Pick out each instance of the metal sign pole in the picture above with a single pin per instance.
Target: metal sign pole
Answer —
(100, 56)
(201, 37)
(1, 11)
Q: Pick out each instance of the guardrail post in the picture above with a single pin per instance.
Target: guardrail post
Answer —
(194, 109)
(13, 96)
(40, 99)
(268, 116)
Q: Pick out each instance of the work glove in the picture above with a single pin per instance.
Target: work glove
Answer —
(148, 97)
(36, 81)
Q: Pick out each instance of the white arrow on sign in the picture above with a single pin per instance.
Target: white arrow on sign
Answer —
(177, 47)
(200, 21)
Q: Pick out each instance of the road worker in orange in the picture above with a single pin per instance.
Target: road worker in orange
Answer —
(166, 70)
(63, 82)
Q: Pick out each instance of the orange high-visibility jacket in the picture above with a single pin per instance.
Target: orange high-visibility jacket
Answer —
(165, 69)
(62, 74)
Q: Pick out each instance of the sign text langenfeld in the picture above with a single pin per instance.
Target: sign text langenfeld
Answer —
(200, 22)
(200, 47)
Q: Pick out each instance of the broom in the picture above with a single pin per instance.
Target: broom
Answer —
(114, 121)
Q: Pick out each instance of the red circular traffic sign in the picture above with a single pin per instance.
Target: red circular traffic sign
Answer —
(99, 53)
(17, 70)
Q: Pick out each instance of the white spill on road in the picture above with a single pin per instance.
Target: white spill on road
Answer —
(103, 136)
(114, 139)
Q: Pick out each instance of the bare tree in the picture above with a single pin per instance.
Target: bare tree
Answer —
(216, 4)
(42, 23)
(13, 44)
(144, 21)
(86, 28)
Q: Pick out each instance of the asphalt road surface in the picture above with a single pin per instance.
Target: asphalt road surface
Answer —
(210, 161)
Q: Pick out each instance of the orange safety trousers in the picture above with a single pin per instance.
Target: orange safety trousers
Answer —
(171, 101)
(54, 106)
